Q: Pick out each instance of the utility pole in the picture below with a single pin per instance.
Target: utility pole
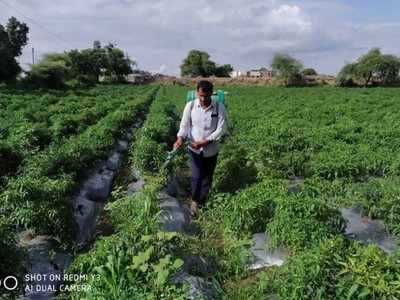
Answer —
(33, 56)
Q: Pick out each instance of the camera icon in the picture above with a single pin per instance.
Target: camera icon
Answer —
(10, 283)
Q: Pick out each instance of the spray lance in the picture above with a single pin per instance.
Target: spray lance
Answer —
(171, 156)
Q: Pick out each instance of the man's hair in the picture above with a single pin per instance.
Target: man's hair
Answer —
(205, 85)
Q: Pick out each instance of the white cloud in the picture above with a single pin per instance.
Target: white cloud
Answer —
(208, 15)
(290, 19)
(244, 33)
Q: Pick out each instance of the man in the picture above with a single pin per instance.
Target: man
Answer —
(203, 124)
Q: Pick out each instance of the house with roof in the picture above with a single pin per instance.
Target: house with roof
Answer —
(258, 73)
(255, 73)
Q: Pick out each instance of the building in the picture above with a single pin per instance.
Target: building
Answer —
(253, 73)
(262, 72)
(266, 73)
(234, 74)
(256, 73)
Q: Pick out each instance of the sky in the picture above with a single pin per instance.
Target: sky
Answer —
(158, 34)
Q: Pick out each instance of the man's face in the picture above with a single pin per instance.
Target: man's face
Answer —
(204, 97)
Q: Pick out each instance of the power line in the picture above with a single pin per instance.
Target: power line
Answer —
(35, 22)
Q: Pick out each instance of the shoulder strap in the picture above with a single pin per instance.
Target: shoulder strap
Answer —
(192, 104)
(214, 116)
(190, 114)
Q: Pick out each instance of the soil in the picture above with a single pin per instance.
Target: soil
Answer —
(246, 81)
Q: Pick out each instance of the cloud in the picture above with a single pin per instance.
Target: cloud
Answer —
(208, 15)
(244, 33)
(289, 18)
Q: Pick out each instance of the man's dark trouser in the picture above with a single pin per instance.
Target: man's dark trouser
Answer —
(202, 174)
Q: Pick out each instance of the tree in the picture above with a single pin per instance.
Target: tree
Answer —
(223, 71)
(9, 67)
(345, 76)
(367, 65)
(83, 66)
(388, 69)
(372, 67)
(197, 63)
(96, 45)
(309, 72)
(87, 65)
(117, 64)
(287, 68)
(18, 35)
(13, 38)
(50, 72)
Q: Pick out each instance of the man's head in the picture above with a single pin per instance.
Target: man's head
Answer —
(204, 91)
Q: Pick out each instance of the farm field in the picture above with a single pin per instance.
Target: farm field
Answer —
(293, 158)
(47, 140)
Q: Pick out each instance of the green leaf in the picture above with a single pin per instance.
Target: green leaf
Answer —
(144, 267)
(365, 292)
(178, 263)
(146, 238)
(162, 277)
(352, 290)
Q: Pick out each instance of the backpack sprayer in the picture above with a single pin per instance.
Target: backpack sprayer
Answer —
(217, 96)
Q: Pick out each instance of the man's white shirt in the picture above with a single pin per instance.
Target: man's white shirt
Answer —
(202, 126)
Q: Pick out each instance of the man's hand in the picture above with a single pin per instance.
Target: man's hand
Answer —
(198, 144)
(178, 143)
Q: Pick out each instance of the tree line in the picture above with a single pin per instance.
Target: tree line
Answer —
(13, 37)
(372, 68)
(55, 70)
(87, 66)
(80, 67)
(198, 63)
